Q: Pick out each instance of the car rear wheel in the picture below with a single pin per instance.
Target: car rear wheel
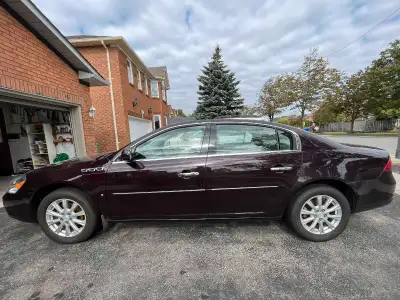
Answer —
(68, 216)
(319, 213)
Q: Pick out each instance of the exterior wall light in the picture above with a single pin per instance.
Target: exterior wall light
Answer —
(92, 112)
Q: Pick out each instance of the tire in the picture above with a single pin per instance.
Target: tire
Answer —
(327, 233)
(91, 216)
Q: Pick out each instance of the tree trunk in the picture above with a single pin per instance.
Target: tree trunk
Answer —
(302, 117)
(271, 117)
(352, 125)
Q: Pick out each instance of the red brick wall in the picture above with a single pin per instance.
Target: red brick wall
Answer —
(27, 65)
(125, 94)
(103, 120)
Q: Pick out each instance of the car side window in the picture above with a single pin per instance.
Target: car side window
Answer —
(174, 143)
(285, 140)
(245, 139)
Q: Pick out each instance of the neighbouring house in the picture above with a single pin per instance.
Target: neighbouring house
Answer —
(45, 84)
(135, 103)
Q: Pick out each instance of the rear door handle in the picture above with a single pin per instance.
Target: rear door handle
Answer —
(187, 175)
(281, 169)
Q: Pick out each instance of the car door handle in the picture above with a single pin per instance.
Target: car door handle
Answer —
(281, 169)
(187, 175)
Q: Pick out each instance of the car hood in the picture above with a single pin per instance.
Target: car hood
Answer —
(72, 166)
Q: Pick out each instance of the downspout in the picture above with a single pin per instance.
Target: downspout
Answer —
(111, 95)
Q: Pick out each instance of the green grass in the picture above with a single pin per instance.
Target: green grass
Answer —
(386, 133)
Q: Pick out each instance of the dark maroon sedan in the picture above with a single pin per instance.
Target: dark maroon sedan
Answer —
(228, 168)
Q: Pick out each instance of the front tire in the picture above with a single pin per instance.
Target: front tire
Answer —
(319, 213)
(68, 216)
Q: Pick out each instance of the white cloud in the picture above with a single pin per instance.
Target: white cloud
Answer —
(258, 38)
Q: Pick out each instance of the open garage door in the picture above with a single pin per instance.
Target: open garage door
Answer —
(138, 127)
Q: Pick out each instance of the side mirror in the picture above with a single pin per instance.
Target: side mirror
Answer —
(126, 155)
(132, 155)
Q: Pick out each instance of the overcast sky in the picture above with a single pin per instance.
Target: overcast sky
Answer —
(258, 38)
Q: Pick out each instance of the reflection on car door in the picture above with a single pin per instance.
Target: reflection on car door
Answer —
(249, 171)
(165, 181)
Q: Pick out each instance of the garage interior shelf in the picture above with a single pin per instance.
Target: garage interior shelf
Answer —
(43, 150)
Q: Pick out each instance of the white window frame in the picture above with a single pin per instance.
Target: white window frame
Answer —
(164, 93)
(146, 83)
(139, 80)
(130, 72)
(158, 93)
(154, 121)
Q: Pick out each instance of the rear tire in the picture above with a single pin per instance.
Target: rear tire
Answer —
(68, 216)
(318, 223)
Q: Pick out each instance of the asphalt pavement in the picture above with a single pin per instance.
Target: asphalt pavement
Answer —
(205, 260)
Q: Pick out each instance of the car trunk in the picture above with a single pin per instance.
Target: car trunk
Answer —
(371, 161)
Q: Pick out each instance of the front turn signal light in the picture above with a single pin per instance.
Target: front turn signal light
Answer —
(16, 184)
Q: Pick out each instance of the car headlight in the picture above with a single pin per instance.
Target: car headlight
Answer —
(16, 184)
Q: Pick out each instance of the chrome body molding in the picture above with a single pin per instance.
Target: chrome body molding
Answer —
(199, 190)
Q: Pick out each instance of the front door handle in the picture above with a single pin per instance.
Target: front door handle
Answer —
(281, 169)
(188, 175)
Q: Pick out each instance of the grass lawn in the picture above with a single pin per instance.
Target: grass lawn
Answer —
(386, 133)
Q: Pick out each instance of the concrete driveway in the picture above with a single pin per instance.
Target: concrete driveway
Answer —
(223, 260)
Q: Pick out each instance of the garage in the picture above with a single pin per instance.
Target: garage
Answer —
(34, 135)
(138, 127)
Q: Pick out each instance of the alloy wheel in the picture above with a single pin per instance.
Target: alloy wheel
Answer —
(321, 214)
(65, 217)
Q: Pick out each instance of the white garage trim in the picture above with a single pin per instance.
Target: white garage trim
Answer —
(15, 97)
(138, 127)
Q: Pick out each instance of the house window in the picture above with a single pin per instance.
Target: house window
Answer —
(165, 120)
(130, 72)
(146, 85)
(164, 93)
(154, 89)
(139, 79)
(157, 121)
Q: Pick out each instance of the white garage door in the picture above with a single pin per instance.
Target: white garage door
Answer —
(138, 127)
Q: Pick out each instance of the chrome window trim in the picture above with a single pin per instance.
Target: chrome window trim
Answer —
(213, 155)
(256, 153)
(232, 122)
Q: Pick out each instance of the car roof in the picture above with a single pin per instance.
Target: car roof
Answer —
(238, 121)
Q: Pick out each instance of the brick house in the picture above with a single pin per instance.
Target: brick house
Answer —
(44, 82)
(135, 103)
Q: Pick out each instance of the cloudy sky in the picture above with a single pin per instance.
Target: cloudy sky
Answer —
(258, 38)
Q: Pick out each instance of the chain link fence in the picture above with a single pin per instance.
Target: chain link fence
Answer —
(362, 126)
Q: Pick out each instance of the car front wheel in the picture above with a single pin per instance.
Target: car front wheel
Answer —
(68, 216)
(319, 213)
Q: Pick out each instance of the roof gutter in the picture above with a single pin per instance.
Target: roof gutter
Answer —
(111, 95)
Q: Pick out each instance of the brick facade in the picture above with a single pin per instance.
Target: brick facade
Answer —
(125, 95)
(27, 65)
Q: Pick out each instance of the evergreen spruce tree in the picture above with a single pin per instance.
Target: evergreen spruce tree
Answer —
(218, 92)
